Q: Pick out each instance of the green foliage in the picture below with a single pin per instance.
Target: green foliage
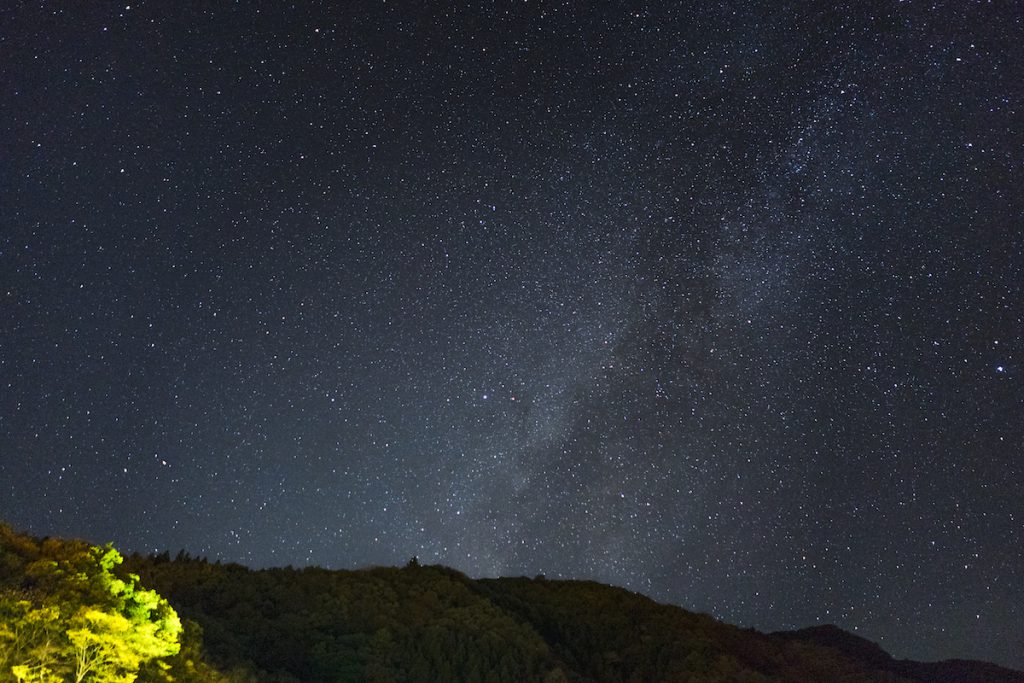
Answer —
(28, 637)
(418, 623)
(429, 623)
(65, 616)
(69, 612)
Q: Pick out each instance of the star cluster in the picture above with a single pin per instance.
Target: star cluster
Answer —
(722, 303)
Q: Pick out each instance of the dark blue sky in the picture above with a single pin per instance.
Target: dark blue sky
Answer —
(722, 303)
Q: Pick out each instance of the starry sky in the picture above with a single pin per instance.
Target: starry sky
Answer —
(721, 303)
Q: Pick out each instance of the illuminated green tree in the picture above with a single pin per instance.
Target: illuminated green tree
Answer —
(65, 616)
(28, 641)
(110, 648)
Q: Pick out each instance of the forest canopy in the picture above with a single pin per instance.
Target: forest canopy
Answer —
(65, 615)
(75, 612)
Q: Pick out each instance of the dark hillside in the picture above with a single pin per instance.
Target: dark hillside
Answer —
(860, 649)
(609, 634)
(154, 619)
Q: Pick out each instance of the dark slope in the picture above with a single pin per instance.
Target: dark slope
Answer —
(381, 624)
(609, 634)
(436, 624)
(863, 650)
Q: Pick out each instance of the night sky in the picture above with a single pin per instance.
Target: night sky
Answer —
(721, 304)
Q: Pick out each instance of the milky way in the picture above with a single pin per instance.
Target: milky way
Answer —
(721, 304)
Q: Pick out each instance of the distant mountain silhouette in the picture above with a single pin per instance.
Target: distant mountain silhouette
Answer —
(869, 653)
(416, 623)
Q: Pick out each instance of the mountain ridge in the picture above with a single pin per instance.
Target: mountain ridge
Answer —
(434, 623)
(954, 670)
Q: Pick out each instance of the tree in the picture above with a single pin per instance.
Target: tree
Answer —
(28, 641)
(67, 616)
(110, 647)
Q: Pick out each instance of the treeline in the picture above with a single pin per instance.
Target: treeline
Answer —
(385, 624)
(68, 614)
(431, 623)
(224, 623)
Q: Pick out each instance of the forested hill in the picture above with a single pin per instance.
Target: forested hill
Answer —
(417, 623)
